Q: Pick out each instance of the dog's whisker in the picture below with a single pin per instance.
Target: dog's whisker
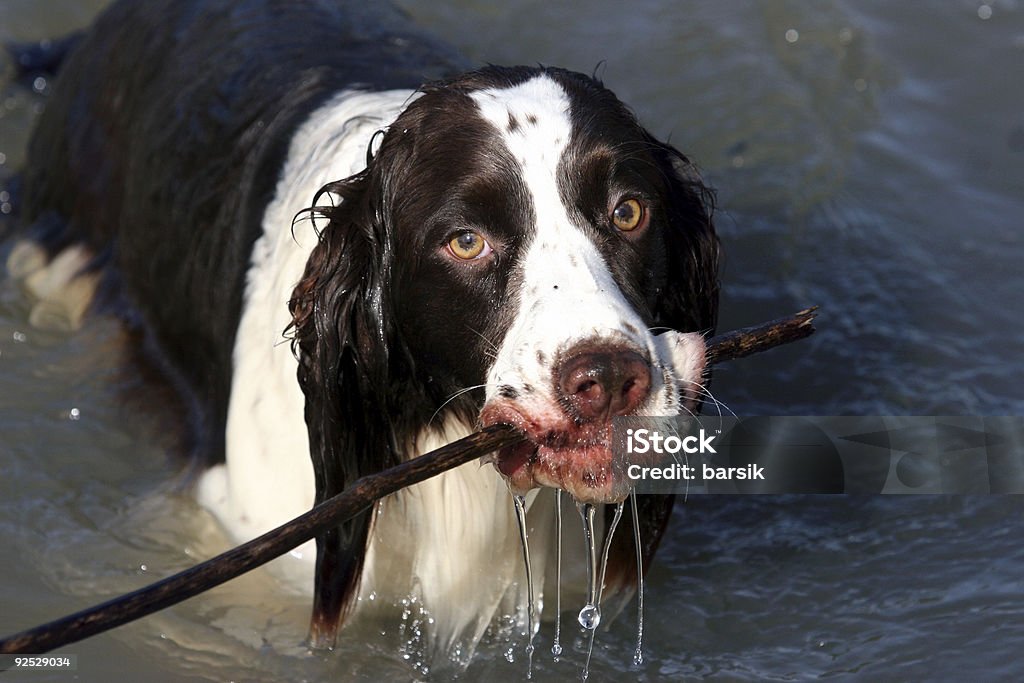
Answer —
(702, 390)
(492, 346)
(454, 396)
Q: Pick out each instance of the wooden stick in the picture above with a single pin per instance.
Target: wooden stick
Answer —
(364, 493)
(258, 551)
(750, 340)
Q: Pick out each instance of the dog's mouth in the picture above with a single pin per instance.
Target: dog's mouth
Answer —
(569, 437)
(559, 454)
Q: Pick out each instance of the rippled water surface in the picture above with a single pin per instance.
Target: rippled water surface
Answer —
(869, 158)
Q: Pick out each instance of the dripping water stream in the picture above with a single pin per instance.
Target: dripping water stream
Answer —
(556, 646)
(520, 502)
(638, 654)
(590, 615)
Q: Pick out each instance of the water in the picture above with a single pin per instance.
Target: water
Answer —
(872, 163)
(556, 646)
(590, 615)
(531, 603)
(638, 653)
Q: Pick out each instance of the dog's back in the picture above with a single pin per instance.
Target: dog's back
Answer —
(165, 138)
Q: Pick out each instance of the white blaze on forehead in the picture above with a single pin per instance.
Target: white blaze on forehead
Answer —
(533, 118)
(567, 291)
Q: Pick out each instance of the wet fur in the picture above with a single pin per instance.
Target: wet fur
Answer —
(369, 344)
(163, 178)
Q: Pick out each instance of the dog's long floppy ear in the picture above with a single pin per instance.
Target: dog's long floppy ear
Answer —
(689, 303)
(345, 346)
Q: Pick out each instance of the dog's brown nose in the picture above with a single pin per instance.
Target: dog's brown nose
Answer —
(601, 384)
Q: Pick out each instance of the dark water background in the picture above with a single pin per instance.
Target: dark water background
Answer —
(869, 158)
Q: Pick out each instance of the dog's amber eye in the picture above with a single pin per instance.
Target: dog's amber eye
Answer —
(628, 215)
(468, 246)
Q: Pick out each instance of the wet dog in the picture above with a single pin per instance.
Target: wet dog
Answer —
(444, 248)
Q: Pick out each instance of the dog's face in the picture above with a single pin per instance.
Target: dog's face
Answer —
(534, 237)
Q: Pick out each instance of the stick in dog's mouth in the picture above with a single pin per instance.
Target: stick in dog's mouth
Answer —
(330, 513)
(570, 444)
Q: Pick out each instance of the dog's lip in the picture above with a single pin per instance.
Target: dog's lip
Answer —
(557, 453)
(551, 429)
(511, 459)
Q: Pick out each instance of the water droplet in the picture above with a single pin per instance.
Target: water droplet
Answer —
(590, 617)
(792, 35)
(75, 414)
(19, 336)
(985, 12)
(39, 84)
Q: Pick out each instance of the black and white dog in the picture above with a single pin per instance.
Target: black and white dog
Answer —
(504, 245)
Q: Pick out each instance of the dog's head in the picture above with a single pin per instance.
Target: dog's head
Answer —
(510, 254)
